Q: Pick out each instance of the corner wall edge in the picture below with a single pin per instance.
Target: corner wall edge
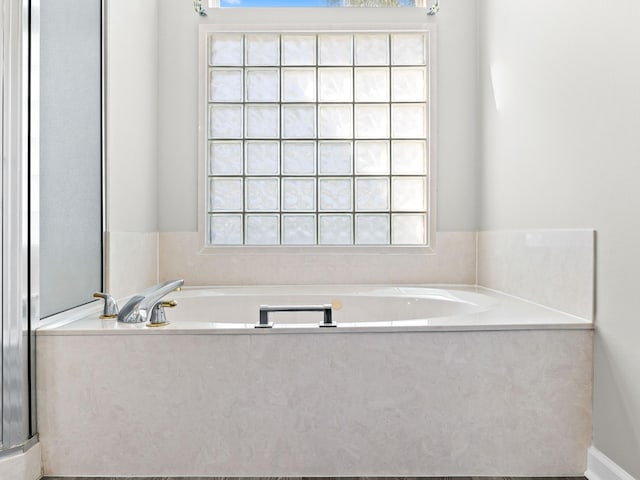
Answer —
(601, 467)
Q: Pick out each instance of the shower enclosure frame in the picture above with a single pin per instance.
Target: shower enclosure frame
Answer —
(18, 285)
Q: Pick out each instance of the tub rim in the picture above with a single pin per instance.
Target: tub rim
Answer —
(507, 313)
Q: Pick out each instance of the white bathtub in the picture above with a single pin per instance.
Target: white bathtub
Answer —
(414, 381)
(359, 308)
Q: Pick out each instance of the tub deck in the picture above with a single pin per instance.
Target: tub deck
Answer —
(233, 310)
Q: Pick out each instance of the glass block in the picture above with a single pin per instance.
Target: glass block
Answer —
(225, 121)
(335, 85)
(336, 121)
(372, 121)
(263, 194)
(225, 158)
(299, 229)
(335, 229)
(372, 84)
(262, 49)
(298, 50)
(225, 229)
(408, 84)
(408, 229)
(225, 85)
(263, 85)
(372, 229)
(372, 194)
(298, 194)
(372, 49)
(372, 158)
(262, 158)
(262, 230)
(298, 121)
(408, 157)
(334, 158)
(408, 121)
(298, 85)
(262, 121)
(409, 194)
(408, 49)
(298, 158)
(225, 49)
(335, 49)
(225, 194)
(335, 194)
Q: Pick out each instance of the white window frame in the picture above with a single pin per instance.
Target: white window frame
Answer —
(216, 4)
(294, 24)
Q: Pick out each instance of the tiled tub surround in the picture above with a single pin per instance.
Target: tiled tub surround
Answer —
(133, 262)
(555, 268)
(455, 396)
(181, 256)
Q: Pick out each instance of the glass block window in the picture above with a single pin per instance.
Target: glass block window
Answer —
(317, 138)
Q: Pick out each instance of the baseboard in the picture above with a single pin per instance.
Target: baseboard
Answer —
(601, 467)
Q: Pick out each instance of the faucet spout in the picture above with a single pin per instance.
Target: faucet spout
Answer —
(139, 307)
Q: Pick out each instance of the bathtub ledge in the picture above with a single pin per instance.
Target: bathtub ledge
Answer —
(504, 312)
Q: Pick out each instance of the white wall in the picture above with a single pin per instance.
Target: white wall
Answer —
(458, 136)
(132, 93)
(560, 146)
(177, 116)
(178, 97)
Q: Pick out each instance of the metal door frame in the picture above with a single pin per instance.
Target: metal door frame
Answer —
(18, 300)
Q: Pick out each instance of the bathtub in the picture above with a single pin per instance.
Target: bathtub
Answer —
(359, 308)
(412, 381)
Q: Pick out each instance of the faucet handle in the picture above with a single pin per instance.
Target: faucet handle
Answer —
(110, 305)
(158, 317)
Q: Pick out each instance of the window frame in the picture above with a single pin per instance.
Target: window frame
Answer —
(205, 29)
(217, 4)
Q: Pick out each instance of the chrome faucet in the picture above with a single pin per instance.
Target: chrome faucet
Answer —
(146, 305)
